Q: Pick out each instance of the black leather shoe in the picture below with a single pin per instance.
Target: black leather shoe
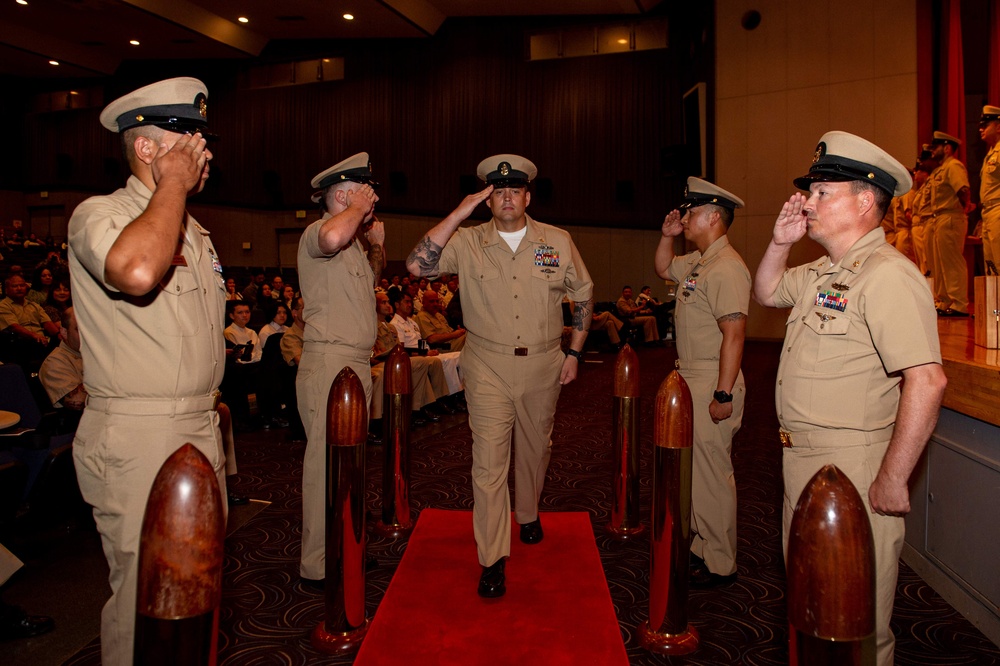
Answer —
(703, 579)
(430, 416)
(492, 581)
(417, 420)
(15, 623)
(374, 439)
(953, 313)
(313, 583)
(441, 407)
(532, 532)
(237, 500)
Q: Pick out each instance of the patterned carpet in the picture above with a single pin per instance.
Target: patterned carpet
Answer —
(267, 615)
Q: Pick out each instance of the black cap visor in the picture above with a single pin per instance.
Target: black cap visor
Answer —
(837, 169)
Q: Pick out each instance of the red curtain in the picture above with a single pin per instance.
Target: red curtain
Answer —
(993, 75)
(952, 111)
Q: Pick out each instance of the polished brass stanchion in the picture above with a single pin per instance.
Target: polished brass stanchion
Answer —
(667, 631)
(346, 622)
(625, 448)
(396, 414)
(831, 575)
(180, 564)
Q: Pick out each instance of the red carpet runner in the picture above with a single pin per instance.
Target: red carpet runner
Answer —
(557, 609)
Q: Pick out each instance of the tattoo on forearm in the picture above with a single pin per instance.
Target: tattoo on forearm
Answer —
(426, 256)
(733, 316)
(582, 313)
(376, 259)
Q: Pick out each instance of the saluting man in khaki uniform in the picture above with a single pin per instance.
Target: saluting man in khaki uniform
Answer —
(989, 188)
(711, 318)
(860, 379)
(338, 288)
(515, 272)
(149, 300)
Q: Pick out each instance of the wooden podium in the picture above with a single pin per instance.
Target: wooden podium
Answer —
(987, 311)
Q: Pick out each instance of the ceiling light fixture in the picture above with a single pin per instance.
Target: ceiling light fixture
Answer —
(53, 62)
(348, 17)
(243, 19)
(22, 2)
(134, 42)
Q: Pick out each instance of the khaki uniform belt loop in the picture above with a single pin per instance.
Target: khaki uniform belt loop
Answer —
(163, 407)
(833, 438)
(508, 350)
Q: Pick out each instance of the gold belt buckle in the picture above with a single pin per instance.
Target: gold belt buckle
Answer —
(520, 351)
(786, 438)
(217, 398)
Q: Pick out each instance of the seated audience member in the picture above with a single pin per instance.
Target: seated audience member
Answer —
(231, 293)
(291, 341)
(250, 292)
(288, 294)
(59, 297)
(628, 311)
(454, 310)
(427, 379)
(277, 287)
(262, 311)
(406, 328)
(62, 370)
(278, 323)
(649, 304)
(243, 352)
(41, 285)
(450, 287)
(383, 286)
(610, 324)
(32, 333)
(434, 326)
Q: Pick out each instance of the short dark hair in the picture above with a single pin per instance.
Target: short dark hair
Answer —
(882, 198)
(395, 296)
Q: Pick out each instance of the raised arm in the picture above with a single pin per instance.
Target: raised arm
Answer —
(789, 228)
(665, 250)
(338, 230)
(144, 250)
(375, 235)
(919, 404)
(423, 260)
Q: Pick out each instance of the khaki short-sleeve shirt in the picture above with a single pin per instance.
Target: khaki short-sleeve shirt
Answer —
(854, 326)
(515, 298)
(61, 372)
(710, 286)
(946, 181)
(989, 184)
(432, 324)
(166, 344)
(30, 315)
(339, 293)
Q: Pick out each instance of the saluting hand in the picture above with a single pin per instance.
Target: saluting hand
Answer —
(186, 161)
(375, 234)
(672, 224)
(469, 203)
(362, 200)
(790, 226)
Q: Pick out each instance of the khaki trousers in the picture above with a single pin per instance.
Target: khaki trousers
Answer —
(920, 247)
(713, 484)
(860, 463)
(512, 399)
(950, 268)
(117, 458)
(317, 370)
(991, 235)
(426, 380)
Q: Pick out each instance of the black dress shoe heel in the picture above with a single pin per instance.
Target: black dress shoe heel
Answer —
(492, 582)
(531, 533)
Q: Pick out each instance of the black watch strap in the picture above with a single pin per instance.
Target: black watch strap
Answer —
(575, 354)
(722, 397)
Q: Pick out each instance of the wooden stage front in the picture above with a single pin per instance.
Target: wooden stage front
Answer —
(973, 372)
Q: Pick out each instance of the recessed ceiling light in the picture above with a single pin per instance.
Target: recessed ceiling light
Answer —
(243, 19)
(348, 17)
(53, 62)
(134, 42)
(73, 92)
(22, 2)
(623, 41)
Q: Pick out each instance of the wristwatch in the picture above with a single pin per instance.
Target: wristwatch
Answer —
(575, 354)
(722, 397)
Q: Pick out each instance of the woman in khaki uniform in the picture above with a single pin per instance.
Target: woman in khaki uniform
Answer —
(515, 272)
